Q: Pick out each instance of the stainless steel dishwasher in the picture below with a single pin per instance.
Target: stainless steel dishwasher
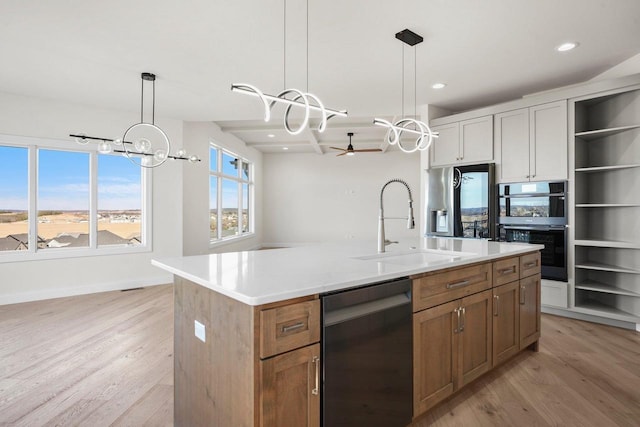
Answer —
(367, 356)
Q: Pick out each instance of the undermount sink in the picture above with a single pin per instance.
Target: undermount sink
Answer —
(416, 257)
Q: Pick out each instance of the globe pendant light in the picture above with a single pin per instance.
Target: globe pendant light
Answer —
(144, 144)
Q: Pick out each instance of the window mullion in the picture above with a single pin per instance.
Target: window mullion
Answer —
(93, 200)
(32, 212)
(239, 191)
(219, 194)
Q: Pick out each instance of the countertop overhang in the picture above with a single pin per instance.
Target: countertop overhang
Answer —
(266, 276)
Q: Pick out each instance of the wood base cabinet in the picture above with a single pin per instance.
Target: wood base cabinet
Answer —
(458, 339)
(529, 302)
(506, 322)
(291, 388)
(452, 347)
(254, 366)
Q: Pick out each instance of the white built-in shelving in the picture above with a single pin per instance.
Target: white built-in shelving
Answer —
(606, 205)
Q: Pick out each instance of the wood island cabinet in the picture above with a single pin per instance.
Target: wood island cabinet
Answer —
(248, 366)
(468, 320)
(257, 365)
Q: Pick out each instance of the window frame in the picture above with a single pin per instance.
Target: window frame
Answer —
(33, 144)
(240, 181)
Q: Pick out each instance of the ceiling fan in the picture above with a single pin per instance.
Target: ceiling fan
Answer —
(350, 151)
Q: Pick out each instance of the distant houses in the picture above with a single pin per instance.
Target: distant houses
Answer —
(20, 242)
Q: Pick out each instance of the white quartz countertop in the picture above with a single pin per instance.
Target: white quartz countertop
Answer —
(265, 276)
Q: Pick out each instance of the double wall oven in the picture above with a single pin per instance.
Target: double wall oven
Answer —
(536, 212)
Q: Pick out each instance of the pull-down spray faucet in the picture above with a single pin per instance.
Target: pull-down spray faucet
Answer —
(410, 221)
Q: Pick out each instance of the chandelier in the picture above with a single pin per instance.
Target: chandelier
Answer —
(424, 135)
(144, 144)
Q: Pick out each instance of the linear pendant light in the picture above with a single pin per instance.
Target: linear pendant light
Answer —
(144, 144)
(408, 125)
(292, 97)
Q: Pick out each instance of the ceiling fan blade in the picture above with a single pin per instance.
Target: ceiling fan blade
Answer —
(368, 150)
(341, 149)
(341, 154)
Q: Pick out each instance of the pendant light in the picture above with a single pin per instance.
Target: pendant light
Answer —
(424, 135)
(292, 97)
(145, 144)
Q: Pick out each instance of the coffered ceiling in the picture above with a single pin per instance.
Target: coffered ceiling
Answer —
(92, 53)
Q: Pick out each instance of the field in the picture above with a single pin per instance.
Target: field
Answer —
(50, 226)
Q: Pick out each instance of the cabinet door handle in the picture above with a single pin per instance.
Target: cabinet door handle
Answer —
(463, 319)
(504, 271)
(316, 361)
(457, 284)
(293, 327)
(496, 300)
(531, 264)
(523, 291)
(457, 328)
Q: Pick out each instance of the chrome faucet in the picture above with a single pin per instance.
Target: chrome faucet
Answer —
(382, 242)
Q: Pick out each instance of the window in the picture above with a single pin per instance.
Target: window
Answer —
(230, 195)
(59, 199)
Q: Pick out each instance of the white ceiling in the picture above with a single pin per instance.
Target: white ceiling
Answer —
(92, 52)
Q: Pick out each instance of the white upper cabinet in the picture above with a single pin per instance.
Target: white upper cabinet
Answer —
(531, 143)
(464, 142)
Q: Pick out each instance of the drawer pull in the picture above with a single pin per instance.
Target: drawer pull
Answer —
(316, 361)
(293, 327)
(523, 291)
(457, 285)
(531, 264)
(511, 269)
(496, 300)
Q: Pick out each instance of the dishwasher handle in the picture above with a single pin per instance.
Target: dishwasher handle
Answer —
(346, 314)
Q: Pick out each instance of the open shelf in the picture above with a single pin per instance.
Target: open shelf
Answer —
(591, 285)
(599, 309)
(601, 133)
(606, 267)
(607, 205)
(607, 243)
(595, 169)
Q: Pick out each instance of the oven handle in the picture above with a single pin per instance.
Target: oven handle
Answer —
(534, 227)
(529, 195)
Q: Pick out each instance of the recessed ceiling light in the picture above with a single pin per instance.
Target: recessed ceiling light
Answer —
(565, 47)
(285, 148)
(438, 85)
(271, 135)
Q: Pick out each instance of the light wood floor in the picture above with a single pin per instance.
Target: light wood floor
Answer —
(106, 359)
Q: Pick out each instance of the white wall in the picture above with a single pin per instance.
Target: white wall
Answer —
(31, 280)
(625, 68)
(197, 136)
(316, 198)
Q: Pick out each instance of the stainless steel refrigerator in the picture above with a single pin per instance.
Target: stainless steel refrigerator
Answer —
(461, 201)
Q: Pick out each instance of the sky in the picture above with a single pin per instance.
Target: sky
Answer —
(474, 192)
(63, 179)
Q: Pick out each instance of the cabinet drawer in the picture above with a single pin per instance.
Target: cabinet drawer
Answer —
(438, 288)
(506, 270)
(289, 327)
(529, 264)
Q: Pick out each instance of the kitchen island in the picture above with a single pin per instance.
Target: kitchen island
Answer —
(248, 328)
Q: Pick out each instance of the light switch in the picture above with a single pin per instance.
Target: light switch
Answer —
(199, 330)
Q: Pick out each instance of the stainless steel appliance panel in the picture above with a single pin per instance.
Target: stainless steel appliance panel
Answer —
(368, 356)
(461, 201)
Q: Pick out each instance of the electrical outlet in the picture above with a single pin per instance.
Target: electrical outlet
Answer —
(199, 330)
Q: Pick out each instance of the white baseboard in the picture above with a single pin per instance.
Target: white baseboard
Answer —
(83, 290)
